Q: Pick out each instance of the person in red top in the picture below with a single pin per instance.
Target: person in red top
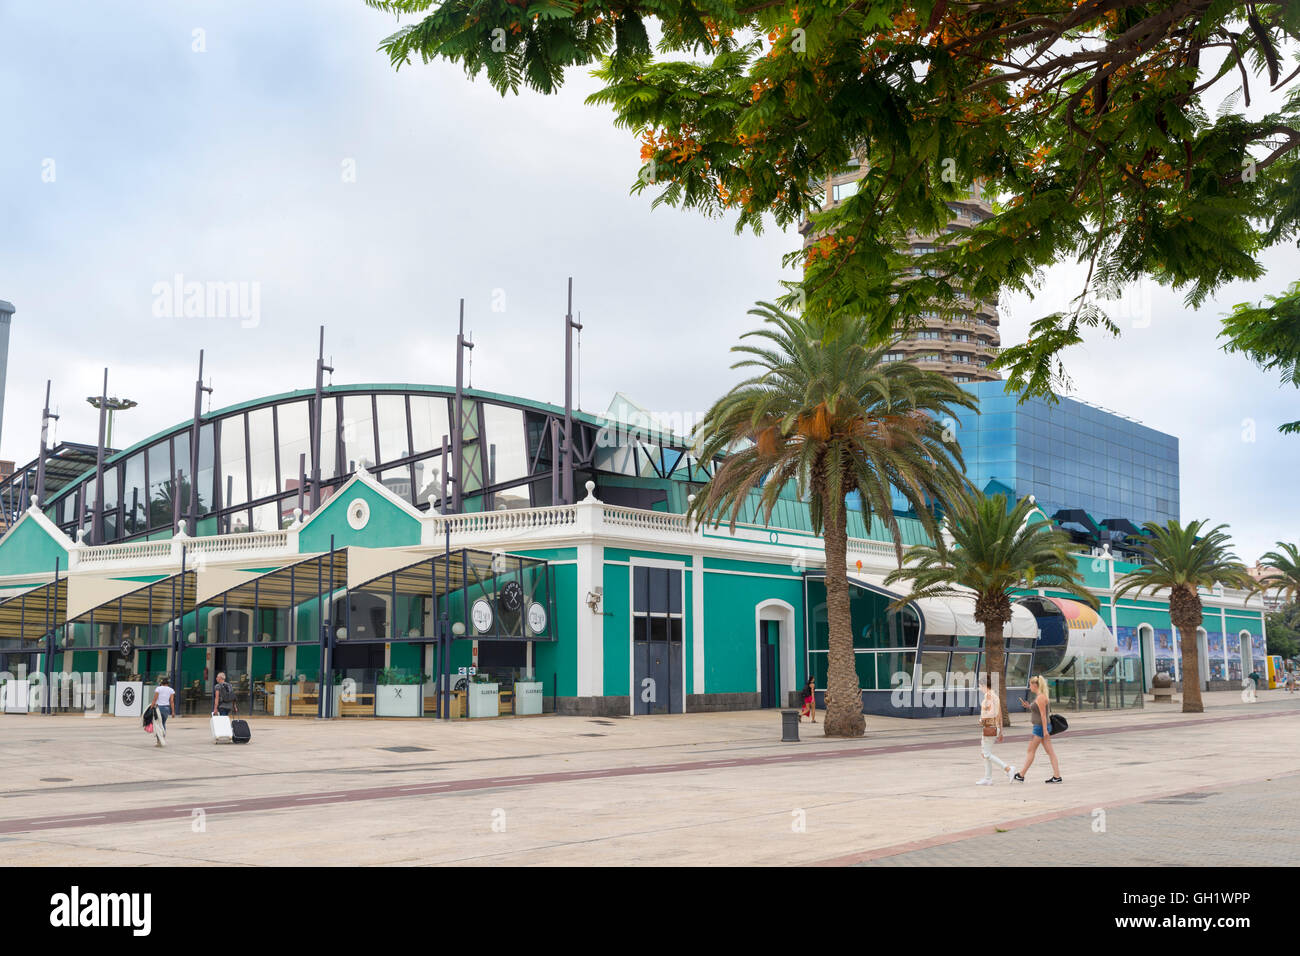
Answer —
(809, 701)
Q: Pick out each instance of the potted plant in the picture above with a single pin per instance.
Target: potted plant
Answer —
(398, 693)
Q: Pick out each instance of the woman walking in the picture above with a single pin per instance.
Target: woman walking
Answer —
(1038, 713)
(162, 701)
(809, 700)
(990, 728)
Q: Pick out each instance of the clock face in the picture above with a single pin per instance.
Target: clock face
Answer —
(536, 618)
(481, 615)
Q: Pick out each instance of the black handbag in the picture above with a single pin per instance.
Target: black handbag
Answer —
(1059, 725)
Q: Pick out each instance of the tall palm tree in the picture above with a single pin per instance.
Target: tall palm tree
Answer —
(994, 550)
(1182, 559)
(825, 411)
(1285, 565)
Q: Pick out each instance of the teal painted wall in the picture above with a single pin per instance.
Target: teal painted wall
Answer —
(389, 526)
(28, 549)
(730, 632)
(617, 607)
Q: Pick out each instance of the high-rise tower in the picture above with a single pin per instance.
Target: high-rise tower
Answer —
(961, 341)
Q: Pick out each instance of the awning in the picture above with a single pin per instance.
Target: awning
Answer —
(952, 615)
(285, 587)
(158, 602)
(33, 613)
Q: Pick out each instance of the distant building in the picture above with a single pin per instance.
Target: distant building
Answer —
(1101, 475)
(957, 342)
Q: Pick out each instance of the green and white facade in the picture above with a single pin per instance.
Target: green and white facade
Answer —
(618, 606)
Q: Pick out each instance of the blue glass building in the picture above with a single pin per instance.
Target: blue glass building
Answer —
(1091, 469)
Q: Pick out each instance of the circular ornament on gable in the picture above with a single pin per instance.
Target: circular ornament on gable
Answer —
(358, 513)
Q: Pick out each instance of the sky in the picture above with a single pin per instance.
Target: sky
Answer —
(272, 151)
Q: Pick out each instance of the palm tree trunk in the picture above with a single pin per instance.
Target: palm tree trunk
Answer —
(844, 711)
(995, 663)
(1185, 613)
(1192, 702)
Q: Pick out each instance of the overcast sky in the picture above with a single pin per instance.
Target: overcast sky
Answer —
(271, 145)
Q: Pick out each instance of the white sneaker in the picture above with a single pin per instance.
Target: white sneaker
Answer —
(1011, 774)
(986, 782)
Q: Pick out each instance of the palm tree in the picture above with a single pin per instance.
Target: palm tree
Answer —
(826, 412)
(1182, 559)
(1285, 566)
(994, 550)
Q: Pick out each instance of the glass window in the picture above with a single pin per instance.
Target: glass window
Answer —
(507, 451)
(394, 444)
(358, 429)
(934, 669)
(112, 530)
(135, 495)
(329, 438)
(261, 450)
(429, 423)
(181, 465)
(234, 462)
(207, 469)
(160, 499)
(398, 481)
(292, 422)
(428, 480)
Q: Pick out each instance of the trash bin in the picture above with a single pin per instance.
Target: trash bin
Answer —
(790, 725)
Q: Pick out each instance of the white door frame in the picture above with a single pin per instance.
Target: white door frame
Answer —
(774, 609)
(1147, 642)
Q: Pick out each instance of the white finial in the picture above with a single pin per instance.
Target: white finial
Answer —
(690, 499)
(81, 536)
(1032, 499)
(591, 491)
(33, 505)
(297, 516)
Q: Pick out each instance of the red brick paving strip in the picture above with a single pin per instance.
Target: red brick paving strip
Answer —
(289, 801)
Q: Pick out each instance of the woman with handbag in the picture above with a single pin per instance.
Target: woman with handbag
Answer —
(1038, 713)
(990, 728)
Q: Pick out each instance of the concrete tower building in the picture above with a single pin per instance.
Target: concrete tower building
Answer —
(958, 343)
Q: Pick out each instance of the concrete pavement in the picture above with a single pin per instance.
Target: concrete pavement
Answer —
(693, 789)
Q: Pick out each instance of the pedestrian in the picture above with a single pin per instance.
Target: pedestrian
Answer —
(809, 701)
(223, 697)
(1038, 713)
(162, 702)
(990, 728)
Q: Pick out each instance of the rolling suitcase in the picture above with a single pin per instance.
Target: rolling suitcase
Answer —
(239, 732)
(221, 730)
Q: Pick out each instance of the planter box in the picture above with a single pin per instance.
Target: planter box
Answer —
(484, 700)
(399, 700)
(528, 697)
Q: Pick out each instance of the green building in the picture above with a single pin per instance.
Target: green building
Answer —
(377, 603)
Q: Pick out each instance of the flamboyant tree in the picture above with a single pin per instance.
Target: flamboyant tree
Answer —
(1115, 133)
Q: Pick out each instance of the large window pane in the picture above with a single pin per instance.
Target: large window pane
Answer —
(358, 432)
(429, 423)
(160, 498)
(111, 529)
(207, 469)
(234, 462)
(261, 450)
(135, 495)
(507, 450)
(428, 480)
(393, 441)
(295, 442)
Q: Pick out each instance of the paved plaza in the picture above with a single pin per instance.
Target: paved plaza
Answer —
(1150, 787)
